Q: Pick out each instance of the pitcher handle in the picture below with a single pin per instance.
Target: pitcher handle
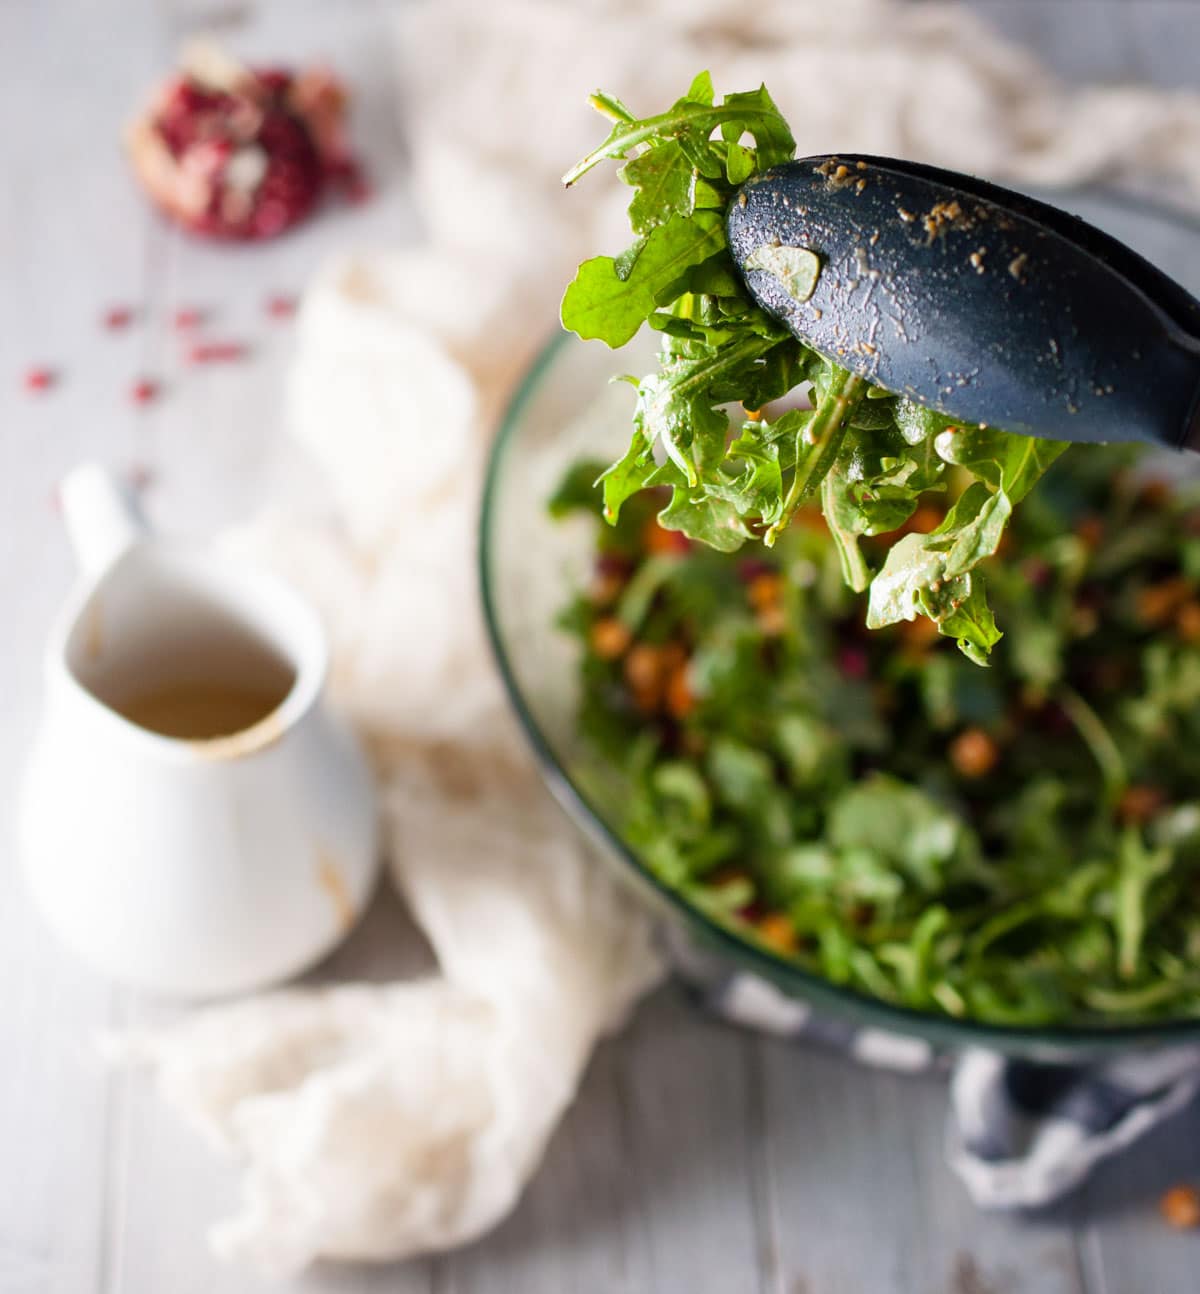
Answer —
(101, 515)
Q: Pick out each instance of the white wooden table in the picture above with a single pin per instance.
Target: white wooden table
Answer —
(695, 1159)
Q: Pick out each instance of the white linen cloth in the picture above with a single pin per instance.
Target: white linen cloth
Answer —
(376, 1122)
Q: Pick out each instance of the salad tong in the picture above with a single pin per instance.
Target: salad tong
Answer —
(974, 300)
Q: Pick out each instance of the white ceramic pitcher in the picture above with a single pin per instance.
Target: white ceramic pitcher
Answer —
(189, 867)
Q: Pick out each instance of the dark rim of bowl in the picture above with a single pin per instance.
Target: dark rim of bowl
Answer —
(811, 987)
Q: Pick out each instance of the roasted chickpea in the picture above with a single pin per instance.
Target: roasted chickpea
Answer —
(1181, 1207)
(973, 753)
(778, 932)
(1139, 803)
(609, 638)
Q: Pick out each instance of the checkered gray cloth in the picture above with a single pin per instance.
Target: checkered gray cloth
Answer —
(1020, 1133)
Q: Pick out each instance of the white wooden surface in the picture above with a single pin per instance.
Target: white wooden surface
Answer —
(696, 1158)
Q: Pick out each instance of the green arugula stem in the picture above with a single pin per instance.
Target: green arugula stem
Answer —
(1098, 741)
(700, 116)
(1137, 999)
(825, 434)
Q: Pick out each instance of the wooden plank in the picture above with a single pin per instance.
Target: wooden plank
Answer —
(646, 1186)
(577, 1227)
(1125, 1243)
(72, 239)
(864, 1200)
(212, 447)
(171, 1188)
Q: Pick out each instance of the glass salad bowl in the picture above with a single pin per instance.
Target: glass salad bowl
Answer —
(531, 565)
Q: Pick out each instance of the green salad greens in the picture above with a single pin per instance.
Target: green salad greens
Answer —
(1018, 845)
(869, 456)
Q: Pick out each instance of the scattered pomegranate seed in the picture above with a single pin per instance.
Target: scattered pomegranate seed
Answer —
(118, 317)
(217, 352)
(141, 476)
(144, 391)
(187, 318)
(348, 176)
(281, 307)
(40, 379)
(358, 190)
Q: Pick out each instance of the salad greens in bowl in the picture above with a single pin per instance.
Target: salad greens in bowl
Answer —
(754, 654)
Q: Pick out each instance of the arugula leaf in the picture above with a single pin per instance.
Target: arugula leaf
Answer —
(610, 300)
(626, 477)
(913, 565)
(758, 486)
(867, 454)
(960, 610)
(666, 186)
(714, 522)
(1013, 464)
(976, 522)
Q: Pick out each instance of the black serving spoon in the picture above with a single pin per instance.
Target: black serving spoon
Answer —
(979, 302)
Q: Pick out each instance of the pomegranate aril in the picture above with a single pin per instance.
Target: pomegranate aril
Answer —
(281, 307)
(40, 378)
(144, 390)
(118, 317)
(750, 568)
(274, 80)
(188, 317)
(217, 352)
(358, 188)
(347, 176)
(140, 477)
(853, 662)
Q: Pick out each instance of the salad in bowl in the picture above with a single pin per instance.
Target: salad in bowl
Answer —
(756, 653)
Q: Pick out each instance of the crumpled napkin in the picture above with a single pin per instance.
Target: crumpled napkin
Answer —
(377, 1122)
